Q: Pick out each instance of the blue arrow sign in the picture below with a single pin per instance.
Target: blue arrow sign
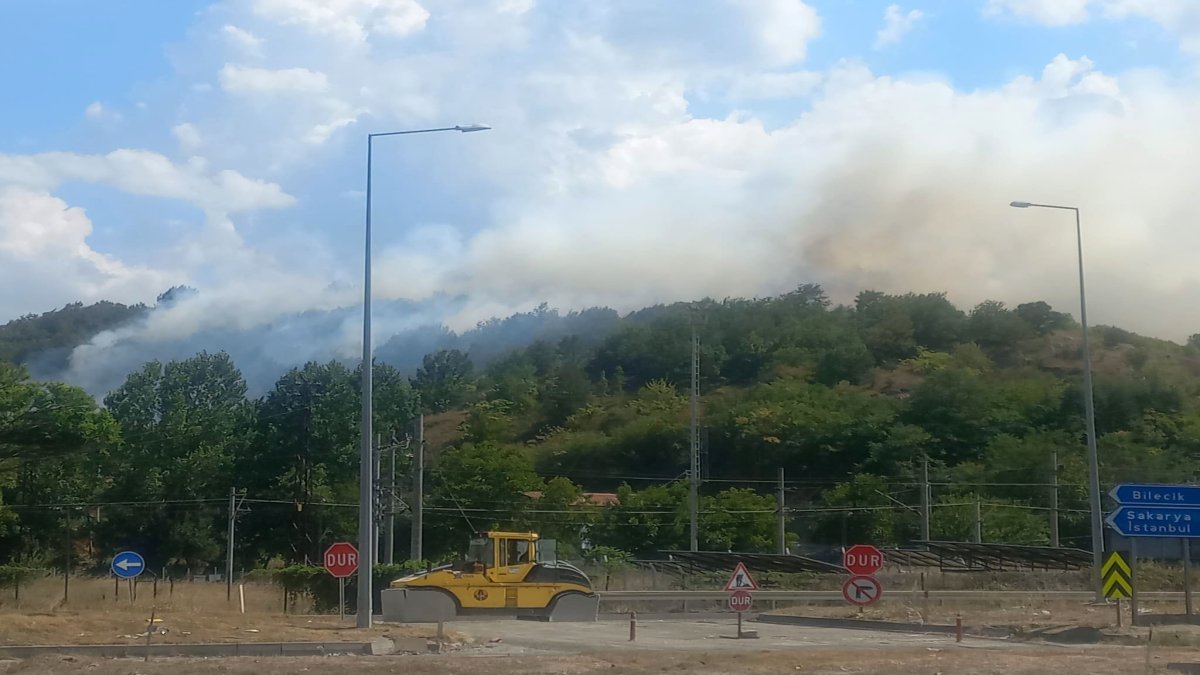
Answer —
(1155, 521)
(1157, 495)
(128, 564)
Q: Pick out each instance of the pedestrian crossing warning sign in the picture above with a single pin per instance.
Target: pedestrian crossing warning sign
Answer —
(741, 580)
(1117, 577)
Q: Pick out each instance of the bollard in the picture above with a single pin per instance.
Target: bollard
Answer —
(632, 626)
(958, 629)
(149, 633)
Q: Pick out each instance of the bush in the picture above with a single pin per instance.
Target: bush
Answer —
(15, 575)
(315, 583)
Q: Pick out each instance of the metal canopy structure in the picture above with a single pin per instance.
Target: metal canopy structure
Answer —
(969, 557)
(719, 561)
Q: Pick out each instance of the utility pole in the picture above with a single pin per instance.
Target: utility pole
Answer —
(925, 500)
(780, 517)
(694, 472)
(978, 523)
(389, 526)
(418, 479)
(1054, 498)
(67, 557)
(229, 544)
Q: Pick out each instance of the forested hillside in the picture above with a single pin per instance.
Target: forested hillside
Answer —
(852, 402)
(50, 336)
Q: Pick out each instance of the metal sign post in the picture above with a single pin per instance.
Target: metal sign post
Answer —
(341, 598)
(1133, 593)
(1187, 577)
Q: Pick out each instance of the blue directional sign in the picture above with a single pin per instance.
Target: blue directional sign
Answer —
(128, 564)
(1155, 521)
(1157, 495)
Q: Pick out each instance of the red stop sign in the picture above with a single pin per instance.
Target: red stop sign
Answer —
(341, 559)
(740, 601)
(862, 560)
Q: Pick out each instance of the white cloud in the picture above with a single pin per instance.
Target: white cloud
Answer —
(1180, 18)
(784, 28)
(1050, 12)
(515, 6)
(97, 111)
(141, 172)
(44, 252)
(188, 136)
(350, 20)
(243, 39)
(897, 24)
(248, 80)
(762, 86)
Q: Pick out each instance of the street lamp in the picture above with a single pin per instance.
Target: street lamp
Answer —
(1089, 407)
(366, 483)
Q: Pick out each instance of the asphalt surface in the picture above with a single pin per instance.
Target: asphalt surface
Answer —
(527, 637)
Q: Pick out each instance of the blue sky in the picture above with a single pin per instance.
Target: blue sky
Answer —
(642, 152)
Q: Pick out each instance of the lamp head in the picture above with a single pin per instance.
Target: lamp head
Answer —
(1020, 205)
(468, 128)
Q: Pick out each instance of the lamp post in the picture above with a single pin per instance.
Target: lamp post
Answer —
(1089, 407)
(366, 482)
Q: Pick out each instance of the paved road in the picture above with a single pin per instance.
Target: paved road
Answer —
(529, 637)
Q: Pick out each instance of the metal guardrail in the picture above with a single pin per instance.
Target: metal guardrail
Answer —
(679, 596)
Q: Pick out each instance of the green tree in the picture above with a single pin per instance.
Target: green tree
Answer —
(806, 428)
(997, 329)
(52, 438)
(737, 519)
(306, 451)
(444, 380)
(184, 423)
(859, 511)
(477, 487)
(563, 515)
(961, 411)
(646, 521)
(887, 327)
(1042, 318)
(849, 362)
(1001, 521)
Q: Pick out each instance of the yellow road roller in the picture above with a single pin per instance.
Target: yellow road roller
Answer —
(504, 573)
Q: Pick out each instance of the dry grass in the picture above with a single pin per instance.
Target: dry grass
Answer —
(46, 595)
(906, 661)
(192, 612)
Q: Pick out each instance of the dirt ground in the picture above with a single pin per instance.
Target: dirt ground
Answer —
(897, 661)
(190, 613)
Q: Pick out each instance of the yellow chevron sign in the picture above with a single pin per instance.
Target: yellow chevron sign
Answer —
(1118, 578)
